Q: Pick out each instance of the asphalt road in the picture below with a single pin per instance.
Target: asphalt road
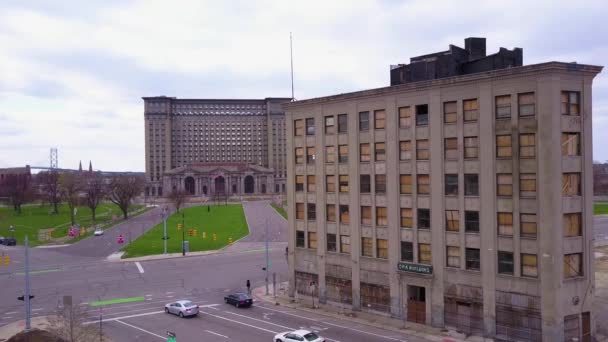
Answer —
(83, 272)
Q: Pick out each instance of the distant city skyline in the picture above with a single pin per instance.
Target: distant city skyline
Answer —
(73, 76)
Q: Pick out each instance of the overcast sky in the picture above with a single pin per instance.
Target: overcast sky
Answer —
(72, 75)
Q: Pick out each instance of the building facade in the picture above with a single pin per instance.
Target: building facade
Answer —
(195, 132)
(461, 202)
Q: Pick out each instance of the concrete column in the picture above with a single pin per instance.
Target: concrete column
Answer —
(291, 211)
(355, 204)
(487, 212)
(437, 206)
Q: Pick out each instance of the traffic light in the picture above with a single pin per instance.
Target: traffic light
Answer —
(204, 235)
(190, 232)
(179, 226)
(23, 297)
(230, 240)
(214, 237)
(7, 260)
(195, 232)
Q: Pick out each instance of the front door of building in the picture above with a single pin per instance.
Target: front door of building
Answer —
(586, 327)
(416, 304)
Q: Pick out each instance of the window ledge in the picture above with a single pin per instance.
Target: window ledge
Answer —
(575, 278)
(471, 233)
(528, 237)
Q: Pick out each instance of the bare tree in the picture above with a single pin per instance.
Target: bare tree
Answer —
(69, 324)
(70, 185)
(17, 188)
(177, 197)
(95, 191)
(123, 189)
(48, 182)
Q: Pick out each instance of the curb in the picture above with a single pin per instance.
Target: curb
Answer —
(409, 331)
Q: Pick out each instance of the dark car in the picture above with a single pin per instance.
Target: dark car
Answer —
(239, 299)
(9, 242)
(1, 240)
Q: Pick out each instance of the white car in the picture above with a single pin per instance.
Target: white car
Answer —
(298, 335)
(98, 232)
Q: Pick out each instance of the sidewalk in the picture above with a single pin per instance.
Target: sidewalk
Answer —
(14, 328)
(396, 325)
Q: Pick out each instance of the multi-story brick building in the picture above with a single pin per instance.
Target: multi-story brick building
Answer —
(461, 202)
(206, 146)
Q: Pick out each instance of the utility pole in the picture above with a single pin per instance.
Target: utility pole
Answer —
(267, 259)
(26, 297)
(165, 229)
(183, 235)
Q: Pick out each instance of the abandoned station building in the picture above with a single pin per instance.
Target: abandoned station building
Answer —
(209, 147)
(459, 197)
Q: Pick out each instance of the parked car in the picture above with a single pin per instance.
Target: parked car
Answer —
(182, 308)
(298, 335)
(9, 241)
(239, 299)
(1, 239)
(98, 232)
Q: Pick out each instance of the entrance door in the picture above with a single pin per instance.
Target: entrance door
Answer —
(416, 304)
(586, 327)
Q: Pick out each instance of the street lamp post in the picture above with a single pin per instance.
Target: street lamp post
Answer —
(183, 235)
(165, 229)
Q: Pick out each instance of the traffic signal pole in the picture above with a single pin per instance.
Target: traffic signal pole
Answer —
(165, 229)
(267, 259)
(183, 236)
(26, 296)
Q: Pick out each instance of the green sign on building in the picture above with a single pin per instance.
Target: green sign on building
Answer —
(415, 268)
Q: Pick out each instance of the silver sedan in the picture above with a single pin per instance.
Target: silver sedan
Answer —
(182, 308)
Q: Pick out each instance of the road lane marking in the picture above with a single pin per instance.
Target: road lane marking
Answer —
(38, 309)
(124, 317)
(168, 293)
(231, 320)
(118, 301)
(141, 269)
(214, 333)
(10, 313)
(144, 330)
(40, 271)
(335, 325)
(123, 312)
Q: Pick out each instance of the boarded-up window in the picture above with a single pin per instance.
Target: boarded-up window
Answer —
(330, 214)
(311, 184)
(405, 117)
(571, 144)
(526, 104)
(366, 215)
(503, 146)
(300, 241)
(570, 103)
(406, 217)
(375, 297)
(299, 155)
(344, 214)
(365, 184)
(572, 224)
(528, 225)
(344, 244)
(453, 256)
(367, 247)
(527, 146)
(529, 265)
(330, 154)
(573, 265)
(504, 184)
(379, 119)
(571, 184)
(299, 183)
(471, 148)
(449, 112)
(405, 184)
(299, 127)
(422, 149)
(423, 184)
(452, 220)
(424, 253)
(503, 106)
(364, 152)
(310, 155)
(330, 125)
(379, 151)
(451, 148)
(343, 153)
(572, 328)
(382, 248)
(312, 240)
(330, 183)
(343, 180)
(299, 211)
(381, 216)
(405, 150)
(505, 224)
(471, 111)
(527, 184)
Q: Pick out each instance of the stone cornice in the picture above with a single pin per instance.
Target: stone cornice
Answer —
(500, 74)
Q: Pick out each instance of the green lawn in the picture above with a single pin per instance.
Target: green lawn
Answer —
(600, 208)
(279, 210)
(35, 217)
(227, 221)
